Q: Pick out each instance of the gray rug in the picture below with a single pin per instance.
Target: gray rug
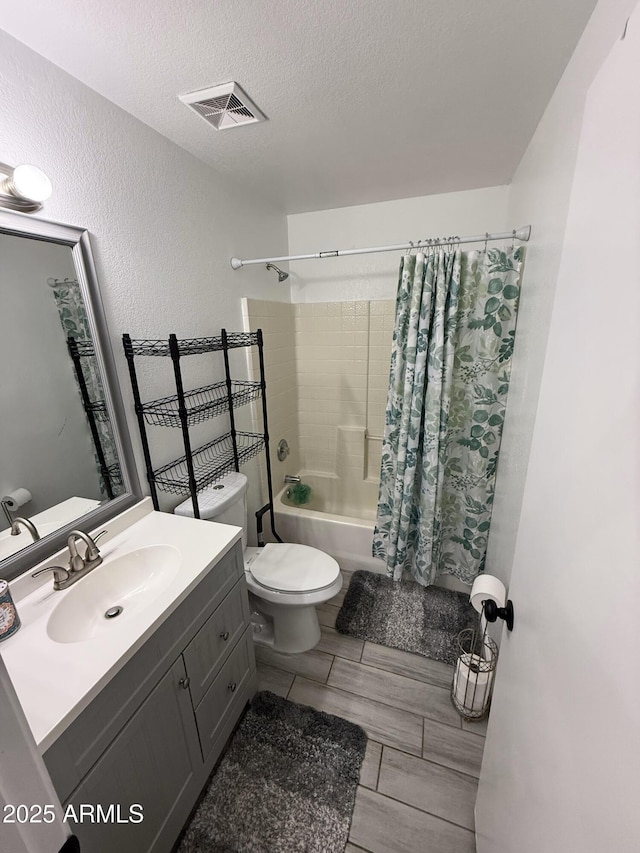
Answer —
(405, 615)
(287, 783)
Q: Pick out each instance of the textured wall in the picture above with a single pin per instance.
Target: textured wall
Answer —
(386, 223)
(540, 194)
(560, 768)
(163, 225)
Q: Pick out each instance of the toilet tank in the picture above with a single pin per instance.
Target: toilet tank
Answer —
(225, 502)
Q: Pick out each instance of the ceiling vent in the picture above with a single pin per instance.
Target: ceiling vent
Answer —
(224, 106)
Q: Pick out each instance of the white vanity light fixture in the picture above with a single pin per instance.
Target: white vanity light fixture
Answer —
(23, 188)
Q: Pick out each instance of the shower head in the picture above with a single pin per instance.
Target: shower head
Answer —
(282, 276)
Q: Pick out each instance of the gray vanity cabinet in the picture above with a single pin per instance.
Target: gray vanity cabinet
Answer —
(154, 733)
(159, 743)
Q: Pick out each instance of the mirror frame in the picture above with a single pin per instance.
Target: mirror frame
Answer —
(77, 239)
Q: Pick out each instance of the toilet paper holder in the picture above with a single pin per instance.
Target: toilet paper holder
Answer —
(492, 612)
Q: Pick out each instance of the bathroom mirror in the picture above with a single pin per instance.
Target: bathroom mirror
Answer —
(65, 456)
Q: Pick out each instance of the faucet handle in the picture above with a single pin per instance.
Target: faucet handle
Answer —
(60, 574)
(92, 550)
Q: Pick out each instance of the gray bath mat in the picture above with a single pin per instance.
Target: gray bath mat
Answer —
(405, 615)
(287, 783)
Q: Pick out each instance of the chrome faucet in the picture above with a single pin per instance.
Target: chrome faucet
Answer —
(30, 526)
(291, 478)
(91, 559)
(79, 566)
(14, 523)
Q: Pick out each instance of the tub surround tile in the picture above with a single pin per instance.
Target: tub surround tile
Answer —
(316, 353)
(273, 679)
(314, 664)
(451, 747)
(430, 787)
(384, 724)
(405, 663)
(383, 825)
(398, 691)
(371, 765)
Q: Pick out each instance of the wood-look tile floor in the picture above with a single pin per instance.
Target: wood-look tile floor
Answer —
(420, 774)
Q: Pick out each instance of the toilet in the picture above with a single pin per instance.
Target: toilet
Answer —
(285, 581)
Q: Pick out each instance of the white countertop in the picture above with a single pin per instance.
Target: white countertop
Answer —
(46, 522)
(55, 681)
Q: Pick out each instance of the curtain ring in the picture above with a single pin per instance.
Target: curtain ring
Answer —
(513, 239)
(486, 240)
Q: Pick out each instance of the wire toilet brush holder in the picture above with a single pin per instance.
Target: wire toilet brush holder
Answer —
(473, 675)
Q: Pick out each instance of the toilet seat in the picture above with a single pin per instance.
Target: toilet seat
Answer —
(292, 569)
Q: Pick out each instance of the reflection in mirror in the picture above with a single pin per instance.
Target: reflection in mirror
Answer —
(59, 455)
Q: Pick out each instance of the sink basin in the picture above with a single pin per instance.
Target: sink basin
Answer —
(12, 544)
(114, 592)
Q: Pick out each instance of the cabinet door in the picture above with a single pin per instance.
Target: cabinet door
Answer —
(154, 762)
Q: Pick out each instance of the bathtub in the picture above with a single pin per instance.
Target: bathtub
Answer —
(338, 522)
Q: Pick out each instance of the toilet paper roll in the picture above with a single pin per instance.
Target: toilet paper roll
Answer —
(472, 689)
(487, 587)
(16, 498)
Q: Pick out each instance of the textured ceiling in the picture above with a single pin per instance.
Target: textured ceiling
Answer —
(367, 100)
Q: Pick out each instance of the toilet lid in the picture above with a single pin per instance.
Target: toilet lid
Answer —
(293, 568)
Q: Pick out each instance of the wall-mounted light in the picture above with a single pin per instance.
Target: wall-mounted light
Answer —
(23, 188)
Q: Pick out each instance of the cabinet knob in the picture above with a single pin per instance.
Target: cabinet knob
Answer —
(184, 682)
(232, 686)
(225, 635)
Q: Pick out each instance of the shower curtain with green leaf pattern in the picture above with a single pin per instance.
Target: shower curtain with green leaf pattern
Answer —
(449, 379)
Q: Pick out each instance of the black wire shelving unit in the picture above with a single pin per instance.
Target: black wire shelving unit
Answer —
(96, 411)
(199, 467)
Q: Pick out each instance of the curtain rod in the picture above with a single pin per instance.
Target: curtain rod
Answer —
(521, 234)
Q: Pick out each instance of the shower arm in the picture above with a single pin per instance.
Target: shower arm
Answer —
(521, 234)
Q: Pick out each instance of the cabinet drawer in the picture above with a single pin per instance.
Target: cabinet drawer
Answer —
(207, 652)
(227, 687)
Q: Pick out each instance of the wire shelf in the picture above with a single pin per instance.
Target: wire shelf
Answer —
(210, 462)
(194, 346)
(98, 408)
(84, 348)
(201, 403)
